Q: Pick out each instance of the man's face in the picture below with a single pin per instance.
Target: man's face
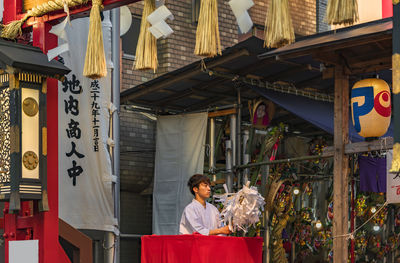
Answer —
(204, 190)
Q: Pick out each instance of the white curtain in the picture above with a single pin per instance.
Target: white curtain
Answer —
(86, 200)
(179, 154)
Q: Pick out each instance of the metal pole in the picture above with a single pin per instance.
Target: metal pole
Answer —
(233, 138)
(116, 78)
(211, 161)
(228, 163)
(238, 138)
(290, 160)
(246, 157)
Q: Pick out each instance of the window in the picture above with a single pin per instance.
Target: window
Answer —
(129, 40)
(195, 11)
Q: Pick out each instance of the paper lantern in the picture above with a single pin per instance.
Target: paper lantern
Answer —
(371, 107)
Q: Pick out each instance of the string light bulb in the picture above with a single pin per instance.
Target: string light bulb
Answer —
(373, 209)
(376, 228)
(296, 191)
(318, 224)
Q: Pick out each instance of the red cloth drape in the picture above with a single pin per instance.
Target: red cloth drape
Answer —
(201, 249)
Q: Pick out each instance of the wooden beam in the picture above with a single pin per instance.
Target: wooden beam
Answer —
(185, 75)
(382, 144)
(340, 170)
(78, 240)
(222, 113)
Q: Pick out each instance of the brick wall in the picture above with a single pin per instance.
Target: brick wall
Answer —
(303, 14)
(137, 151)
(177, 50)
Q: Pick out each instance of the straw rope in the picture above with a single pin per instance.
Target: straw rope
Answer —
(342, 12)
(146, 50)
(278, 28)
(13, 29)
(95, 59)
(208, 42)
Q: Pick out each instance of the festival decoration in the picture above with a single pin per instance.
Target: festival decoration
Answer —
(160, 28)
(380, 218)
(360, 243)
(361, 206)
(322, 239)
(146, 49)
(342, 12)
(242, 209)
(95, 62)
(239, 9)
(278, 25)
(282, 208)
(371, 107)
(374, 243)
(329, 214)
(261, 113)
(208, 42)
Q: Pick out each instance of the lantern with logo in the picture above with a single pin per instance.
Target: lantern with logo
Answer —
(371, 107)
(23, 127)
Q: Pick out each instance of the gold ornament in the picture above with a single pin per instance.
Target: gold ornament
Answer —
(30, 107)
(30, 160)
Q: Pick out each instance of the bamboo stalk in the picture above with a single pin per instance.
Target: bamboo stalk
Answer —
(278, 25)
(342, 12)
(208, 42)
(146, 50)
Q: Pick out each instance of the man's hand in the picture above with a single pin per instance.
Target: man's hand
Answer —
(220, 231)
(224, 230)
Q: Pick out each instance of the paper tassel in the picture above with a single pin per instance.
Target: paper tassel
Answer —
(208, 42)
(278, 25)
(146, 50)
(342, 12)
(13, 29)
(95, 60)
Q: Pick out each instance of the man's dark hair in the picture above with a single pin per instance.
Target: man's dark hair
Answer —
(196, 180)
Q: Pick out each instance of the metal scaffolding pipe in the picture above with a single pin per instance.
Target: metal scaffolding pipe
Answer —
(246, 157)
(233, 138)
(290, 160)
(239, 138)
(211, 161)
(228, 163)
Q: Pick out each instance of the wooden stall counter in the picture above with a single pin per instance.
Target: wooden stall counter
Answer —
(197, 248)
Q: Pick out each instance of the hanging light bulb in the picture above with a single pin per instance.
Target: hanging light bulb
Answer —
(318, 224)
(376, 228)
(296, 191)
(373, 209)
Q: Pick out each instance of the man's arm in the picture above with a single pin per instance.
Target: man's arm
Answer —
(222, 230)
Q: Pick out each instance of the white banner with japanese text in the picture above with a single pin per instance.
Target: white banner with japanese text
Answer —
(393, 182)
(85, 171)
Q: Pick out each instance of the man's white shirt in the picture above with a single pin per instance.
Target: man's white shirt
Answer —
(197, 218)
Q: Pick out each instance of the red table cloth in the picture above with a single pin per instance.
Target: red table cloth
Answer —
(201, 249)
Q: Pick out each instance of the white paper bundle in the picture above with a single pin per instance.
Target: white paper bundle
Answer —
(242, 209)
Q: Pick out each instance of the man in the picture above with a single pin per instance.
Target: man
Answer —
(201, 216)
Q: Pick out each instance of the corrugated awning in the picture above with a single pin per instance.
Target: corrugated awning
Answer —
(335, 38)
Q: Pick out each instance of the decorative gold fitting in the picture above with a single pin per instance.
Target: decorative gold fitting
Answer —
(14, 139)
(30, 160)
(44, 86)
(30, 106)
(44, 141)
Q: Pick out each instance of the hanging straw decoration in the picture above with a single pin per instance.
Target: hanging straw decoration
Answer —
(342, 12)
(95, 60)
(208, 42)
(146, 50)
(13, 29)
(278, 25)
